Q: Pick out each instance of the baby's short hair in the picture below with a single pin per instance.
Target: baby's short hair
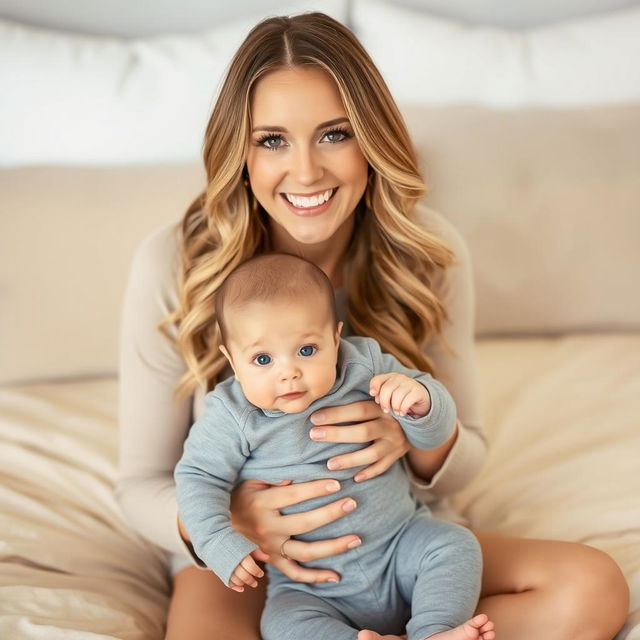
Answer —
(270, 277)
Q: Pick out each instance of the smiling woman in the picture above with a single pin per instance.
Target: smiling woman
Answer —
(302, 113)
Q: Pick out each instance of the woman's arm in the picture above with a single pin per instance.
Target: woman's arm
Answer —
(451, 466)
(152, 427)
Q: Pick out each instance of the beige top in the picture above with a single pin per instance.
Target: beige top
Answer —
(153, 426)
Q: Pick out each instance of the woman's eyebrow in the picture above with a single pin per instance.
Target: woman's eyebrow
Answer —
(322, 125)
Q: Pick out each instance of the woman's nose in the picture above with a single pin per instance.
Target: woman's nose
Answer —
(306, 166)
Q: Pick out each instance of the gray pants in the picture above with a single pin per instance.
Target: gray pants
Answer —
(430, 584)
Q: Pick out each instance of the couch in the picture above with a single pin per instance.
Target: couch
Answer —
(529, 143)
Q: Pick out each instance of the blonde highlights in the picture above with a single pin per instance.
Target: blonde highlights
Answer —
(392, 261)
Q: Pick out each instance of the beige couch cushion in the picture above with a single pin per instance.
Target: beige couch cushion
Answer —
(549, 202)
(66, 239)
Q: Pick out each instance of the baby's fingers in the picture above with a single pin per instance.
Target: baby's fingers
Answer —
(236, 584)
(414, 396)
(399, 400)
(386, 392)
(249, 565)
(376, 383)
(242, 577)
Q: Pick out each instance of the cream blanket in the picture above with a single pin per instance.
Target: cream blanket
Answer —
(563, 417)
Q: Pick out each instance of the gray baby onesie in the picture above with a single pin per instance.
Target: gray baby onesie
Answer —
(411, 572)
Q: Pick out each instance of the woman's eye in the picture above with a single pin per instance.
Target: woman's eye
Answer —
(336, 135)
(269, 139)
(262, 359)
(307, 350)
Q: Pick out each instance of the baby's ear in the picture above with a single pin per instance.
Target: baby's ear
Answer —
(227, 356)
(338, 332)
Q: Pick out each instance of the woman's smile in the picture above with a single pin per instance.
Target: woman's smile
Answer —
(312, 205)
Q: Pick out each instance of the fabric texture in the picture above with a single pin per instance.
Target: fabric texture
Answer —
(430, 60)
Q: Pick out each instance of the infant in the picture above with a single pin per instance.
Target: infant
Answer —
(280, 332)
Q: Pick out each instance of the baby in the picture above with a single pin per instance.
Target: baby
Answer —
(281, 335)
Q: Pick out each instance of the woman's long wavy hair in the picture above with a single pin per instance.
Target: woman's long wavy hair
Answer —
(391, 261)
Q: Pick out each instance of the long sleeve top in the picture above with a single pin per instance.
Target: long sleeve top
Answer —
(153, 426)
(234, 440)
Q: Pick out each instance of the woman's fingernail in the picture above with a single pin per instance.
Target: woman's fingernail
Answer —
(333, 580)
(317, 434)
(358, 477)
(317, 417)
(332, 486)
(332, 465)
(349, 505)
(354, 543)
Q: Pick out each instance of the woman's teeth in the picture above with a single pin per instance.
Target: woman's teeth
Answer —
(313, 201)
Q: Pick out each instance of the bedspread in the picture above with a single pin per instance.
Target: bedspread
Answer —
(563, 417)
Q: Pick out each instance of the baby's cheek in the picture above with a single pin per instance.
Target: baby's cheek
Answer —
(260, 397)
(326, 383)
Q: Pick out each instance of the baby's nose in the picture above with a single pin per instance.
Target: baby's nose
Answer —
(289, 372)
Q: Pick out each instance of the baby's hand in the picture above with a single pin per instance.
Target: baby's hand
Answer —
(404, 395)
(245, 574)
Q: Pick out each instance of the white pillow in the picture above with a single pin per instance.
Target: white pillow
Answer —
(69, 98)
(429, 60)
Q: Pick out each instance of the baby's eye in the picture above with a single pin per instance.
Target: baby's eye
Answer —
(307, 350)
(262, 359)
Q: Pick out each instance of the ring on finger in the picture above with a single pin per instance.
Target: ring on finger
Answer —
(282, 551)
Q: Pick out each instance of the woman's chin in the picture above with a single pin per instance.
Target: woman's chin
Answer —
(310, 238)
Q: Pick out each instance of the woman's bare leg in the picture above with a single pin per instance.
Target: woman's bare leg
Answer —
(534, 589)
(202, 608)
(531, 589)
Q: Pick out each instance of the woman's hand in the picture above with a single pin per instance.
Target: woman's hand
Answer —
(384, 432)
(255, 512)
(255, 505)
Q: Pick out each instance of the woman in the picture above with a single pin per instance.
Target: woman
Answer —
(302, 116)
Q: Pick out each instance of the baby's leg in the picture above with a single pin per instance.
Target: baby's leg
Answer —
(290, 613)
(439, 570)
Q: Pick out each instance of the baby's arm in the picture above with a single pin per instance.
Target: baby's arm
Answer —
(427, 415)
(214, 453)
(401, 394)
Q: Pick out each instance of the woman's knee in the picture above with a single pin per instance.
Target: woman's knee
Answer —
(590, 594)
(202, 608)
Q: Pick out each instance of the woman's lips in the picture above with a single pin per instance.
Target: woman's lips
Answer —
(310, 211)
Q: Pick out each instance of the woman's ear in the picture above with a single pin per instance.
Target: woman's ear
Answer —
(227, 356)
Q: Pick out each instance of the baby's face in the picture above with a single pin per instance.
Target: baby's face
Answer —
(284, 354)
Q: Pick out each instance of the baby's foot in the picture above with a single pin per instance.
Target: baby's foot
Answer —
(478, 628)
(367, 634)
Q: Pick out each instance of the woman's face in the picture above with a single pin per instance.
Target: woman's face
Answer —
(302, 150)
